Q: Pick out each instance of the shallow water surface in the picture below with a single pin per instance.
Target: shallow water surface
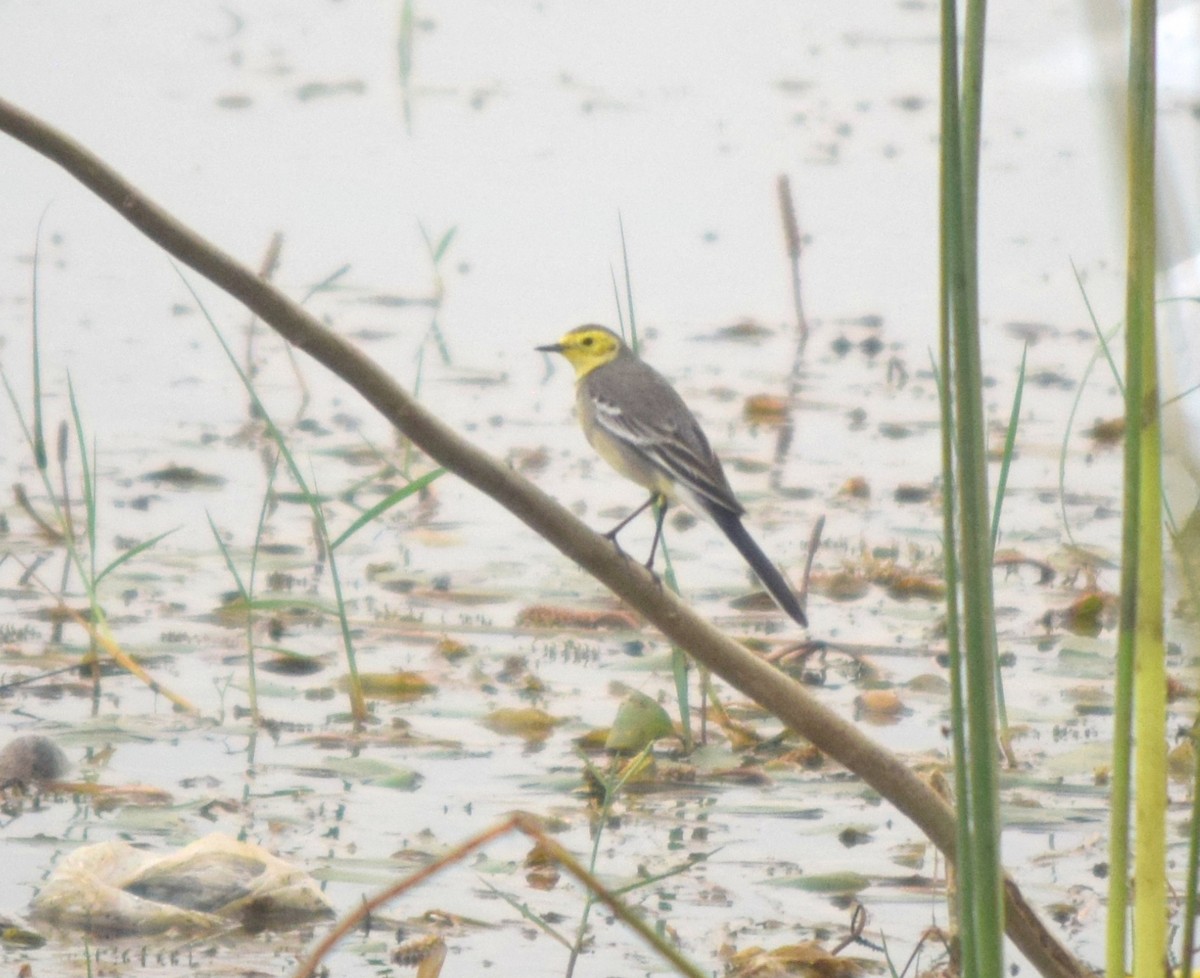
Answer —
(529, 131)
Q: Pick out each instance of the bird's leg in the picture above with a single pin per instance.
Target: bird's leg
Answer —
(612, 534)
(661, 514)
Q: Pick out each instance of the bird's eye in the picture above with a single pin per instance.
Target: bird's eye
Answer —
(587, 341)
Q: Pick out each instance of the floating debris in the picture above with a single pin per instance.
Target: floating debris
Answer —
(113, 889)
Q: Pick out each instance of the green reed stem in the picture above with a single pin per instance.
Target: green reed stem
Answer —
(1142, 606)
(981, 915)
(1010, 444)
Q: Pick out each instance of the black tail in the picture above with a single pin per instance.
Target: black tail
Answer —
(760, 563)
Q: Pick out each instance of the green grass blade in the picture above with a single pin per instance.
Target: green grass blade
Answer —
(262, 521)
(1106, 349)
(384, 505)
(529, 914)
(252, 680)
(404, 61)
(237, 578)
(357, 701)
(443, 245)
(289, 604)
(1181, 395)
(436, 251)
(130, 554)
(1066, 441)
(59, 515)
(633, 333)
(1010, 442)
(272, 430)
(89, 487)
(680, 664)
(17, 412)
(39, 434)
(677, 870)
(67, 530)
(325, 283)
(1104, 340)
(617, 303)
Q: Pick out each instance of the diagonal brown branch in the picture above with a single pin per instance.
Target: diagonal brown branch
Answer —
(789, 701)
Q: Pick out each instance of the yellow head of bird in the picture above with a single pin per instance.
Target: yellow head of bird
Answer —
(587, 347)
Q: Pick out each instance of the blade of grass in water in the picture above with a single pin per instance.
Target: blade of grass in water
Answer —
(325, 283)
(245, 595)
(39, 437)
(679, 658)
(617, 303)
(981, 917)
(613, 784)
(1069, 427)
(89, 496)
(292, 602)
(404, 58)
(437, 250)
(383, 506)
(1104, 340)
(633, 333)
(1010, 441)
(130, 554)
(358, 707)
(246, 589)
(1142, 607)
(964, 882)
(97, 628)
(358, 703)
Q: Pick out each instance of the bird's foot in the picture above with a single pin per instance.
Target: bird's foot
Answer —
(611, 537)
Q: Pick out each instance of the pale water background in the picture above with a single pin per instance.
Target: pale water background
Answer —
(531, 127)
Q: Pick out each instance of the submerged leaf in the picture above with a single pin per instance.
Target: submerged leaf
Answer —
(398, 686)
(768, 409)
(556, 616)
(844, 882)
(639, 722)
(1089, 614)
(879, 706)
(529, 722)
(185, 477)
